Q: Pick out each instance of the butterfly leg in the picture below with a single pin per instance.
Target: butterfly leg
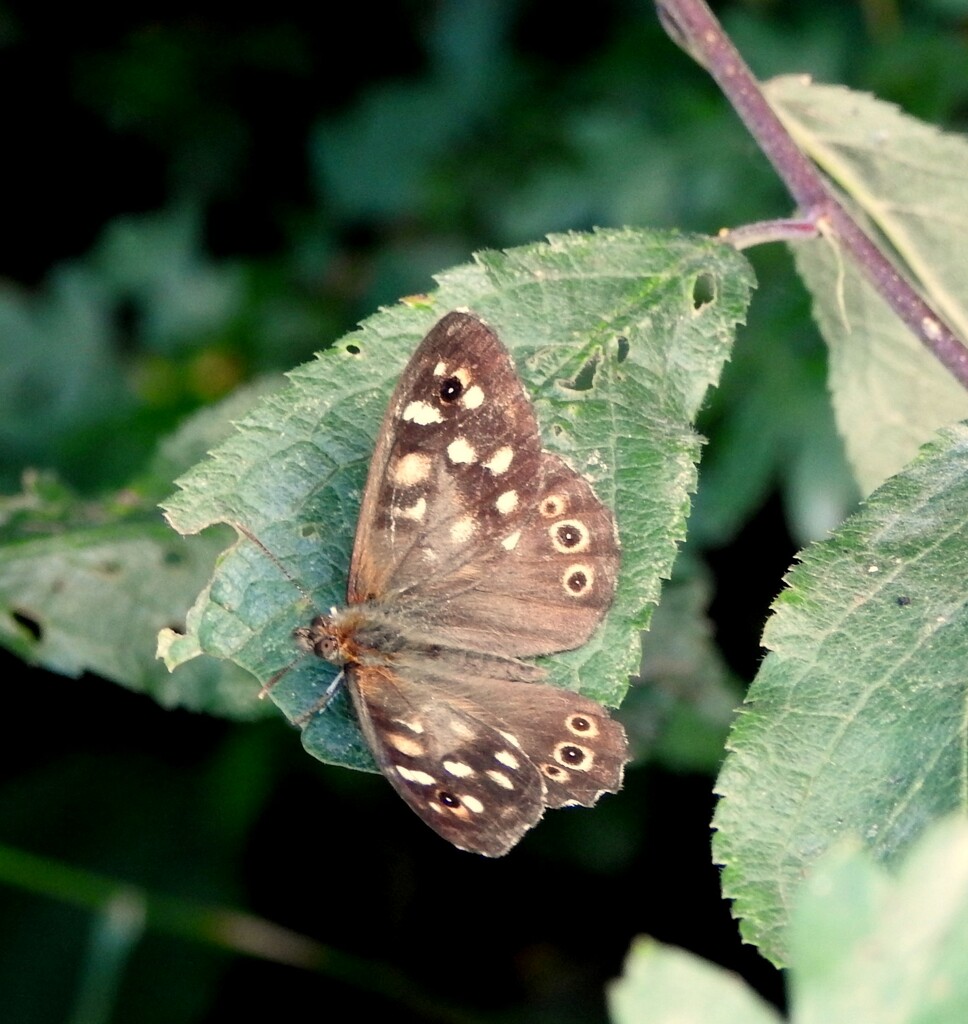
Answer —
(323, 701)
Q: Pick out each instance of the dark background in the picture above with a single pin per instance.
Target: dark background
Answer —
(220, 197)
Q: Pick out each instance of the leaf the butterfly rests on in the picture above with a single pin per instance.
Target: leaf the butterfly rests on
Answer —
(474, 548)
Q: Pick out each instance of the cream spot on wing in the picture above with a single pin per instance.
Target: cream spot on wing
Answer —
(422, 413)
(414, 726)
(511, 542)
(415, 511)
(411, 469)
(500, 778)
(506, 502)
(459, 729)
(440, 369)
(507, 759)
(458, 769)
(472, 803)
(412, 775)
(460, 451)
(405, 744)
(473, 397)
(462, 530)
(498, 463)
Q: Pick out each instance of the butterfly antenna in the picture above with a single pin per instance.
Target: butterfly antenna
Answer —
(270, 683)
(249, 535)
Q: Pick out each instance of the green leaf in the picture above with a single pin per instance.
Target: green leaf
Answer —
(907, 181)
(664, 985)
(617, 354)
(866, 947)
(86, 584)
(875, 948)
(855, 722)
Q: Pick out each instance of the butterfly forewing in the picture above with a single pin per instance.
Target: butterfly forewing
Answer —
(458, 444)
(474, 548)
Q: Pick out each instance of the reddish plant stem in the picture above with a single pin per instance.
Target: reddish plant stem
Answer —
(691, 24)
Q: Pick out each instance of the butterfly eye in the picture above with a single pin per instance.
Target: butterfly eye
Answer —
(327, 648)
(451, 389)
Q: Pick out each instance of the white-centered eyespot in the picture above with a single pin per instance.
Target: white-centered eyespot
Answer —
(410, 469)
(506, 502)
(569, 535)
(578, 579)
(460, 450)
(457, 804)
(500, 461)
(575, 757)
(422, 413)
(582, 725)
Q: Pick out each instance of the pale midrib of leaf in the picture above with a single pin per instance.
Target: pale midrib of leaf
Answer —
(881, 213)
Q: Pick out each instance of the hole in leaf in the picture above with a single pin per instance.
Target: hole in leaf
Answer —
(623, 348)
(584, 380)
(703, 291)
(29, 623)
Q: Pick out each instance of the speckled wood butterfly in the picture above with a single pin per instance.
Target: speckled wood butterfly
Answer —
(474, 549)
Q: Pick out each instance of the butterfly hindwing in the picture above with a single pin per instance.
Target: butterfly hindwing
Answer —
(479, 762)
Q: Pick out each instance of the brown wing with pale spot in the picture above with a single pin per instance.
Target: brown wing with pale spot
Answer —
(481, 761)
(459, 432)
(469, 531)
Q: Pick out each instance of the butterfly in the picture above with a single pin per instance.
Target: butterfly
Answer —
(474, 549)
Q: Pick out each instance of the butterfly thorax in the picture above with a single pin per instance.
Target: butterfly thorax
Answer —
(373, 634)
(351, 636)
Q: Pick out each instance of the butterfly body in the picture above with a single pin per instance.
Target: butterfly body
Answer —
(474, 549)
